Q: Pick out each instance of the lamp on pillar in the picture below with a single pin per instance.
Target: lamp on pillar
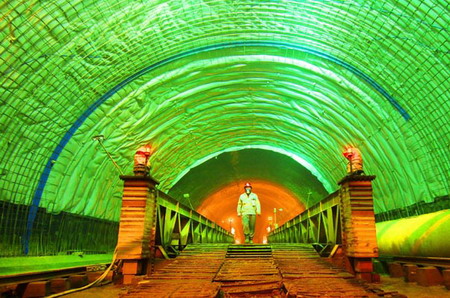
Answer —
(349, 155)
(358, 231)
(355, 164)
(137, 229)
(141, 161)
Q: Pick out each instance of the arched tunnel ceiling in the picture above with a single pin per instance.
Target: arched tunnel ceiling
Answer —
(239, 167)
(373, 74)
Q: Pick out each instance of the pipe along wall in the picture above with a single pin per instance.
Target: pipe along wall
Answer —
(425, 235)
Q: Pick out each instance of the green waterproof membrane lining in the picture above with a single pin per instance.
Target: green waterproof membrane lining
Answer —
(59, 58)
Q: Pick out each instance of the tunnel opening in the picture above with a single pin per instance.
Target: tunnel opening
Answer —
(221, 208)
(284, 187)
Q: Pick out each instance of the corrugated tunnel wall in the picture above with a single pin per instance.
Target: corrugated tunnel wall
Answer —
(213, 80)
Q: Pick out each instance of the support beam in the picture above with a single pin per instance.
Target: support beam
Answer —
(178, 225)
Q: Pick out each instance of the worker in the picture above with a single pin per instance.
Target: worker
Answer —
(248, 207)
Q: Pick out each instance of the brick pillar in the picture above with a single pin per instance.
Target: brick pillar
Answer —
(359, 239)
(137, 225)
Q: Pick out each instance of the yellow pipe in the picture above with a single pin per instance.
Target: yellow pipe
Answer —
(425, 235)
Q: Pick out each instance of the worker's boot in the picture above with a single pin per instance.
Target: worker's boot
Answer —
(246, 239)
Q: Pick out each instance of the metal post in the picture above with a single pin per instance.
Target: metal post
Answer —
(275, 224)
(100, 139)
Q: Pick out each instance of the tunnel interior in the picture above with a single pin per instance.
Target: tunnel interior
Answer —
(213, 188)
(224, 92)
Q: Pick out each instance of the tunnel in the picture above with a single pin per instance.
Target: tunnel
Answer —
(223, 93)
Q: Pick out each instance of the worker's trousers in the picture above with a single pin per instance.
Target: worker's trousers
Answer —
(248, 221)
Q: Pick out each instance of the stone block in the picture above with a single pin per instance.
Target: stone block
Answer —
(128, 279)
(446, 276)
(118, 279)
(395, 269)
(368, 276)
(78, 280)
(37, 289)
(376, 278)
(58, 285)
(429, 276)
(410, 272)
(7, 291)
(109, 276)
(132, 267)
(363, 265)
(93, 276)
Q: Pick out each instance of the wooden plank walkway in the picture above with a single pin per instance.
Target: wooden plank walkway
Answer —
(189, 275)
(277, 270)
(249, 270)
(305, 274)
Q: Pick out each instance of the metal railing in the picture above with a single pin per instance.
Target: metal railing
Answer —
(178, 225)
(319, 223)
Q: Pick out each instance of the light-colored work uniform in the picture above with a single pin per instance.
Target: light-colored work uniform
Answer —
(248, 207)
